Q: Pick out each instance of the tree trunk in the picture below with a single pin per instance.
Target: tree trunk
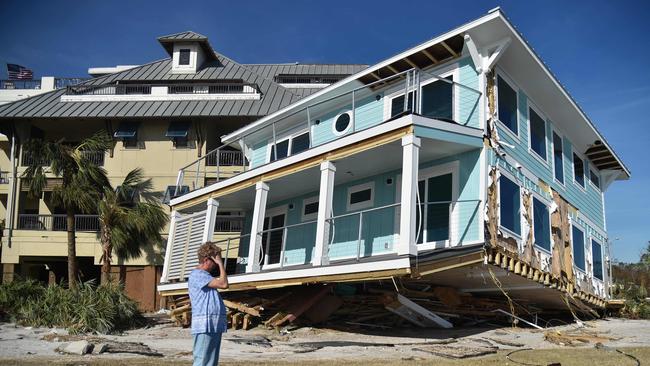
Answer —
(107, 252)
(72, 249)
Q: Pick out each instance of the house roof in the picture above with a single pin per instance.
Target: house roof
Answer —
(492, 24)
(183, 36)
(272, 70)
(188, 36)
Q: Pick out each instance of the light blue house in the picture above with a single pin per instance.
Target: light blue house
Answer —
(457, 160)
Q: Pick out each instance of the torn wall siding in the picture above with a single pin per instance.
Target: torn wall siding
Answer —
(520, 254)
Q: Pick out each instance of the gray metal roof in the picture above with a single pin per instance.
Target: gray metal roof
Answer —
(49, 105)
(271, 70)
(183, 36)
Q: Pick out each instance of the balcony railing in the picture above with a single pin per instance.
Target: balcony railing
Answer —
(57, 222)
(95, 157)
(60, 83)
(4, 177)
(146, 89)
(464, 104)
(230, 224)
(20, 84)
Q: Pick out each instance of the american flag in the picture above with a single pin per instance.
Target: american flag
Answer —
(17, 72)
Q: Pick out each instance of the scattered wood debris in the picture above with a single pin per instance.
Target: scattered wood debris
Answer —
(575, 337)
(457, 351)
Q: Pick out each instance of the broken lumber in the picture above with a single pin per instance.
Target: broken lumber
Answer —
(241, 307)
(415, 313)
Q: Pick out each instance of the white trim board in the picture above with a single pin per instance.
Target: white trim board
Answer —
(399, 263)
(157, 98)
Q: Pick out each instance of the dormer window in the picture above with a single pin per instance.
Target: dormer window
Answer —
(184, 56)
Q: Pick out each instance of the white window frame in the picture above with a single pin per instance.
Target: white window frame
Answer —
(546, 203)
(554, 130)
(602, 258)
(531, 106)
(347, 129)
(584, 237)
(364, 204)
(268, 214)
(513, 85)
(435, 171)
(305, 202)
(446, 71)
(521, 204)
(585, 167)
(289, 137)
(599, 179)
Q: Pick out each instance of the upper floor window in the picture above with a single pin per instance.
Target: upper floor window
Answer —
(397, 105)
(537, 134)
(184, 56)
(342, 123)
(290, 146)
(578, 170)
(310, 208)
(507, 105)
(541, 225)
(578, 242)
(595, 180)
(509, 205)
(178, 133)
(437, 100)
(597, 256)
(558, 160)
(128, 132)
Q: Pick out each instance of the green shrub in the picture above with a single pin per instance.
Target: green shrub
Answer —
(87, 308)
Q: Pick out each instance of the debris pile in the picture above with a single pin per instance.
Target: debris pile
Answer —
(365, 305)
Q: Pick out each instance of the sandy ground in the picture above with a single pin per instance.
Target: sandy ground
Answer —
(25, 345)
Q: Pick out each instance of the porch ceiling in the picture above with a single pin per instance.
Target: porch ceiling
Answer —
(381, 159)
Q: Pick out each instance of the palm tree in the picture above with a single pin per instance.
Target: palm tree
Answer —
(130, 217)
(81, 180)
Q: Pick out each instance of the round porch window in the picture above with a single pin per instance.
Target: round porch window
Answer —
(342, 123)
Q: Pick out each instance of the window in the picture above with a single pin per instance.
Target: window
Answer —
(171, 192)
(537, 134)
(507, 105)
(578, 241)
(300, 143)
(437, 100)
(510, 207)
(360, 196)
(184, 56)
(558, 160)
(342, 123)
(310, 208)
(541, 225)
(397, 105)
(597, 255)
(578, 170)
(290, 146)
(178, 132)
(128, 132)
(593, 177)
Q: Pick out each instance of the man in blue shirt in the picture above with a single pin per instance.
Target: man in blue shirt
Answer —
(208, 311)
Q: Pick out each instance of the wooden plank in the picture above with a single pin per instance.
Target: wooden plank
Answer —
(446, 46)
(241, 307)
(430, 56)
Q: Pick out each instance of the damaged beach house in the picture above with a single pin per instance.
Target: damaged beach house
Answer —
(460, 164)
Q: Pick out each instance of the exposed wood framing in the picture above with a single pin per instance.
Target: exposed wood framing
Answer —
(425, 268)
(391, 68)
(429, 56)
(446, 46)
(375, 76)
(337, 154)
(413, 65)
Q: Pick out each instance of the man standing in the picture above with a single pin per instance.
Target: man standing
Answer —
(208, 310)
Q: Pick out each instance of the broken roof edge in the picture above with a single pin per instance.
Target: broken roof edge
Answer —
(496, 13)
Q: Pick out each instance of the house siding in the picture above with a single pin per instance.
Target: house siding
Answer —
(587, 200)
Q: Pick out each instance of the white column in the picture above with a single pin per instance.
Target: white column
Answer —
(259, 211)
(327, 171)
(170, 240)
(407, 225)
(210, 217)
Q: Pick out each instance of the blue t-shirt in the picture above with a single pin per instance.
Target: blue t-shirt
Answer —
(208, 310)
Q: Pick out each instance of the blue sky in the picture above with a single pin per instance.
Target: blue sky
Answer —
(598, 50)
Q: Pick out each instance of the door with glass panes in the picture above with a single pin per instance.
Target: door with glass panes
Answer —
(435, 195)
(273, 240)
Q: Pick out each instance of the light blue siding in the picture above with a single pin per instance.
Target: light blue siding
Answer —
(259, 154)
(468, 101)
(587, 200)
(368, 112)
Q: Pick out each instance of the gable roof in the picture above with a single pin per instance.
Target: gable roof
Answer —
(183, 36)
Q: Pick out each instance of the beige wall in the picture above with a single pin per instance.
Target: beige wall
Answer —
(155, 154)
